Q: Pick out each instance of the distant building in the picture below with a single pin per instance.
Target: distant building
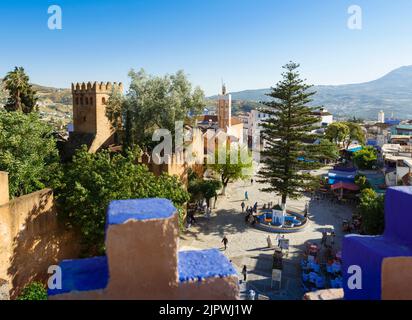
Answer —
(402, 129)
(325, 118)
(381, 117)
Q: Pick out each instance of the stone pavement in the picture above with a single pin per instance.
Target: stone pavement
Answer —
(248, 246)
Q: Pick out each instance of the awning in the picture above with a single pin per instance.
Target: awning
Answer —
(345, 185)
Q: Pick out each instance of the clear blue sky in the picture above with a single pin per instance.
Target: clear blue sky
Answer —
(245, 42)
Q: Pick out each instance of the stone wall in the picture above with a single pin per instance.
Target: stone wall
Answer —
(32, 239)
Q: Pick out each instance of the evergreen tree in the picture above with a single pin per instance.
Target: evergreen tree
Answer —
(287, 132)
(22, 97)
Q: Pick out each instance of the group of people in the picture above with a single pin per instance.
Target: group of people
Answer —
(251, 210)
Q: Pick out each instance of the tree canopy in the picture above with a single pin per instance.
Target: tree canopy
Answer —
(91, 181)
(337, 132)
(21, 95)
(153, 102)
(366, 158)
(231, 163)
(289, 139)
(371, 209)
(204, 189)
(345, 133)
(27, 152)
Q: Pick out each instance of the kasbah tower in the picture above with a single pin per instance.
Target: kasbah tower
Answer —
(90, 123)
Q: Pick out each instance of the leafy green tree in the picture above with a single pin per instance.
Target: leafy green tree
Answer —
(153, 102)
(362, 182)
(204, 189)
(355, 134)
(371, 209)
(337, 132)
(366, 158)
(91, 181)
(33, 291)
(288, 136)
(329, 150)
(22, 96)
(231, 164)
(27, 152)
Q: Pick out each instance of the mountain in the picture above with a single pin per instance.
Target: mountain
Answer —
(391, 93)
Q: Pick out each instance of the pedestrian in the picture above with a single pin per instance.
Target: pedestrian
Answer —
(324, 237)
(246, 196)
(255, 206)
(208, 213)
(244, 272)
(251, 181)
(243, 206)
(225, 242)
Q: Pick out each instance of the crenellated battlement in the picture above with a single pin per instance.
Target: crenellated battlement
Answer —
(96, 87)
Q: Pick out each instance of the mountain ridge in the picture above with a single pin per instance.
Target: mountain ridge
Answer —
(391, 93)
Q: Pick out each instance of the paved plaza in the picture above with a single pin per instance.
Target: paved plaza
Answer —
(248, 246)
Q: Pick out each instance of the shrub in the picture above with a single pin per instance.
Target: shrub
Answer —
(34, 291)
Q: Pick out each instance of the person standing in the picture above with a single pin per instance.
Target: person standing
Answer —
(246, 196)
(243, 206)
(244, 272)
(225, 242)
(324, 237)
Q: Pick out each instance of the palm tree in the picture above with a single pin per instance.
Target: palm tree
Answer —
(21, 95)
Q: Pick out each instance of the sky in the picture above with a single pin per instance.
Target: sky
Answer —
(242, 42)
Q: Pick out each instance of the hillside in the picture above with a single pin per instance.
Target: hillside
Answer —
(391, 93)
(55, 105)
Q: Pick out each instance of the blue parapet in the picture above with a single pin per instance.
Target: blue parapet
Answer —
(119, 211)
(197, 265)
(82, 275)
(369, 252)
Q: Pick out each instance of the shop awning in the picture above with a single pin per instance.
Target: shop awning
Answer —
(344, 185)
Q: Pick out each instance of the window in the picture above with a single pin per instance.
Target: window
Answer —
(77, 100)
(86, 101)
(91, 100)
(104, 100)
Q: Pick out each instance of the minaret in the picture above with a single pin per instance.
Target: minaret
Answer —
(381, 117)
(224, 109)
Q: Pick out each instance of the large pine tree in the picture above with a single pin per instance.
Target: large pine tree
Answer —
(289, 141)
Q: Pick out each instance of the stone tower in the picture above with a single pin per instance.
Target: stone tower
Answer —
(89, 113)
(224, 109)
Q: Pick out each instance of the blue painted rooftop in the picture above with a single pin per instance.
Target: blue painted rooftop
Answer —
(83, 275)
(119, 211)
(197, 265)
(93, 273)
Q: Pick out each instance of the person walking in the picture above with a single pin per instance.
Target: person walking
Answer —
(251, 181)
(255, 206)
(225, 242)
(243, 206)
(246, 196)
(244, 272)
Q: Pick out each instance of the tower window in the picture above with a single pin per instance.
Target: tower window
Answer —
(91, 100)
(77, 100)
(104, 100)
(86, 100)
